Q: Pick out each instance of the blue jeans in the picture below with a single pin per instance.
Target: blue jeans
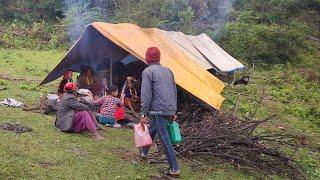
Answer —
(105, 120)
(158, 125)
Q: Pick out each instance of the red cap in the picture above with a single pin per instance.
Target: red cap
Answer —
(153, 55)
(70, 86)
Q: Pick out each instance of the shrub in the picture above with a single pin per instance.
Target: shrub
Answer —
(263, 43)
(166, 14)
(273, 31)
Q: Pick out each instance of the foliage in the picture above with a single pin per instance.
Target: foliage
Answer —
(301, 96)
(30, 11)
(31, 24)
(166, 14)
(272, 31)
(37, 35)
(264, 43)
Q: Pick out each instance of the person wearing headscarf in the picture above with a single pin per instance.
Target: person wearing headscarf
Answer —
(74, 116)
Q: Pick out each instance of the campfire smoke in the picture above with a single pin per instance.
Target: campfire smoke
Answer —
(80, 13)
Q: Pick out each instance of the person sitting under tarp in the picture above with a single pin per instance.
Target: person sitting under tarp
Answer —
(74, 116)
(108, 107)
(67, 77)
(53, 99)
(87, 80)
(132, 100)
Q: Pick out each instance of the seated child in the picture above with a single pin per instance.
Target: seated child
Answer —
(108, 106)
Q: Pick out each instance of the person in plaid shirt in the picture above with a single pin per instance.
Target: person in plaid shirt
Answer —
(108, 106)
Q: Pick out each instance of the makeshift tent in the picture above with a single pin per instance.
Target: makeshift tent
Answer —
(104, 44)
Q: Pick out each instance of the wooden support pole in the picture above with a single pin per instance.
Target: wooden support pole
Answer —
(111, 72)
(237, 105)
(252, 69)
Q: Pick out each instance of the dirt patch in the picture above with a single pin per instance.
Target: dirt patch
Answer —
(46, 164)
(17, 128)
(6, 77)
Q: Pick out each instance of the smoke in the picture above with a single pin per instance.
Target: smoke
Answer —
(212, 14)
(79, 13)
(221, 9)
(220, 14)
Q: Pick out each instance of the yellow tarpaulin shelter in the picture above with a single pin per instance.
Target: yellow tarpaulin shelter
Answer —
(135, 40)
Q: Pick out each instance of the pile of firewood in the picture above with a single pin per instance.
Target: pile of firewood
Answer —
(211, 137)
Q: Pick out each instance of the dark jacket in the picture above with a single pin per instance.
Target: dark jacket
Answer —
(66, 110)
(158, 91)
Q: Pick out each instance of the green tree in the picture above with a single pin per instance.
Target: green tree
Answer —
(273, 31)
(166, 14)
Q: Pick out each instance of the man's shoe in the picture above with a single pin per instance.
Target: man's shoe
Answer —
(143, 155)
(169, 172)
(174, 174)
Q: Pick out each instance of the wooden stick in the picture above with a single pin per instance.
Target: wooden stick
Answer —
(252, 69)
(237, 105)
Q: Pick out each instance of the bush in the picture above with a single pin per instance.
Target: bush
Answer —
(37, 35)
(273, 31)
(263, 43)
(166, 14)
(30, 11)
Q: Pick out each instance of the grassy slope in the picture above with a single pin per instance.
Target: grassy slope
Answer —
(47, 153)
(270, 105)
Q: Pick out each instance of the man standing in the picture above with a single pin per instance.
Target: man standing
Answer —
(159, 102)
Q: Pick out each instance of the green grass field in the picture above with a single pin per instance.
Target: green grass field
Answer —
(46, 153)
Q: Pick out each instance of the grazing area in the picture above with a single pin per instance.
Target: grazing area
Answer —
(268, 126)
(45, 152)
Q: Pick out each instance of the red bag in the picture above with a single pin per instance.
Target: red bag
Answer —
(119, 114)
